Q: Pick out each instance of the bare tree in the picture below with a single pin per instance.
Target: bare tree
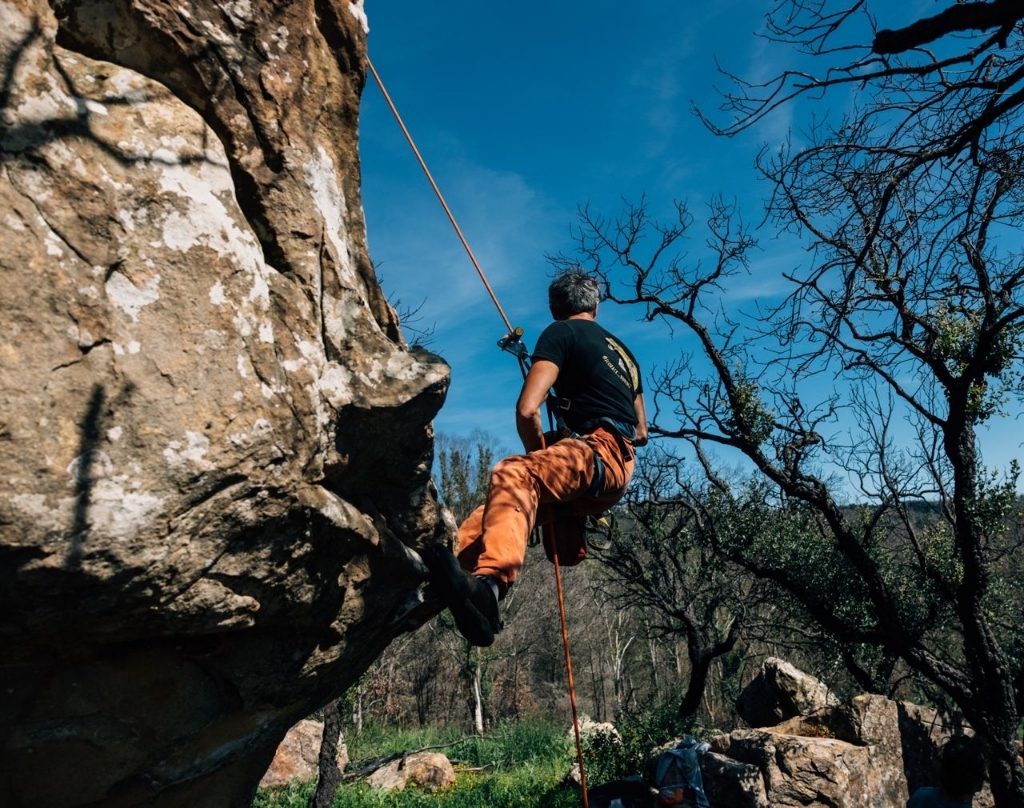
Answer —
(908, 198)
(665, 570)
(924, 325)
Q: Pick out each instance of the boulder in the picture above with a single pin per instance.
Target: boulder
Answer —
(800, 771)
(844, 755)
(215, 444)
(781, 691)
(296, 758)
(866, 720)
(427, 770)
(836, 754)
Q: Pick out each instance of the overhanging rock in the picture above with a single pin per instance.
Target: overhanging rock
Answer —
(214, 443)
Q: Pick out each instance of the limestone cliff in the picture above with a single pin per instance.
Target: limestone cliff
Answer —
(214, 444)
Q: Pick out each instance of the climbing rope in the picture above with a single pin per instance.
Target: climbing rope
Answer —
(512, 338)
(568, 670)
(423, 165)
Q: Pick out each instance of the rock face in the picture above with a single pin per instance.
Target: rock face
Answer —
(215, 446)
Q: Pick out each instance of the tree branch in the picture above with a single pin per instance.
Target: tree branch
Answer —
(1001, 14)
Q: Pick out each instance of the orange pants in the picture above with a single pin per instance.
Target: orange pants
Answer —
(525, 490)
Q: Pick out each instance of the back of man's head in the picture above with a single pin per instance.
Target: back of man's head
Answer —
(573, 292)
(963, 767)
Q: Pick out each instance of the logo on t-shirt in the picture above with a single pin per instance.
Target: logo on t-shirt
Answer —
(622, 366)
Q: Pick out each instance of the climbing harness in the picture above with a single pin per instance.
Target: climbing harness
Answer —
(512, 343)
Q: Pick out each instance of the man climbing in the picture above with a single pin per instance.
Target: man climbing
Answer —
(599, 396)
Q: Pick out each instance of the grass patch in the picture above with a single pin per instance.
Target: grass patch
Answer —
(516, 764)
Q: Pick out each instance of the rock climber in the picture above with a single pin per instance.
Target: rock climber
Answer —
(599, 397)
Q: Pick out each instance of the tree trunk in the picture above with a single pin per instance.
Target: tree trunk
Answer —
(357, 711)
(478, 704)
(329, 775)
(1006, 775)
(695, 687)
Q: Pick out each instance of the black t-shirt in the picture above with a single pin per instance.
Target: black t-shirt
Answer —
(597, 375)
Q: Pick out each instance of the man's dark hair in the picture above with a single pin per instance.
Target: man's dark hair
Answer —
(963, 767)
(573, 292)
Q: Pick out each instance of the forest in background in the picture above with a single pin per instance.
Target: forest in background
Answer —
(660, 621)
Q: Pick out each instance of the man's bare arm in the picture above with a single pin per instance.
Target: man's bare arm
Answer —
(641, 420)
(539, 382)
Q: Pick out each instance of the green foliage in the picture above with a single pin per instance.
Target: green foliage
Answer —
(940, 554)
(609, 756)
(787, 543)
(731, 683)
(513, 743)
(956, 336)
(296, 795)
(375, 741)
(526, 786)
(509, 744)
(994, 501)
(959, 336)
(747, 414)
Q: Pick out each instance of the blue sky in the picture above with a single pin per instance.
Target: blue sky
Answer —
(523, 114)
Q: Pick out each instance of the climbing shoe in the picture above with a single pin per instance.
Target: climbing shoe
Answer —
(472, 600)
